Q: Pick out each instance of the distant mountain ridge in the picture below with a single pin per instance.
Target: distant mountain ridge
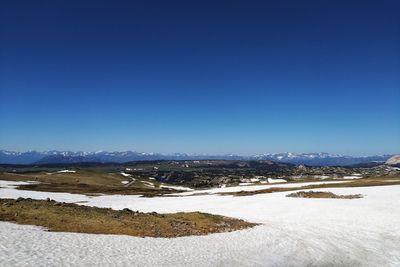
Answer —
(54, 156)
(395, 160)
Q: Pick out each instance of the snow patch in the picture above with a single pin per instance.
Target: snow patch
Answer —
(148, 184)
(125, 174)
(354, 176)
(177, 187)
(66, 171)
(273, 180)
(13, 184)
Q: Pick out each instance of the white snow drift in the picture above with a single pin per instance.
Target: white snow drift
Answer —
(66, 171)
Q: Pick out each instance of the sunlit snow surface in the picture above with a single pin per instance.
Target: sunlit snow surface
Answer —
(66, 171)
(294, 232)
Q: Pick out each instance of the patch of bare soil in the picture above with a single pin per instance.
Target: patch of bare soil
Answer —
(319, 194)
(90, 189)
(65, 217)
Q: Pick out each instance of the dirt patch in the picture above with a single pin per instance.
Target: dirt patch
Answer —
(319, 194)
(66, 217)
(90, 189)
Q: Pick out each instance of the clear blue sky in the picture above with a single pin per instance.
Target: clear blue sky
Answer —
(201, 76)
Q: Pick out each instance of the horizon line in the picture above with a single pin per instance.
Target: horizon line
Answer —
(195, 153)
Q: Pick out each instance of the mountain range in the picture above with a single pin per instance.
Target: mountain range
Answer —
(56, 157)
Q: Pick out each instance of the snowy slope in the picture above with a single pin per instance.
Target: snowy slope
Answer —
(294, 232)
(395, 160)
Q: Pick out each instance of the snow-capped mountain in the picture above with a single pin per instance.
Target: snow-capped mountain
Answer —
(395, 160)
(54, 156)
(320, 159)
(12, 157)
